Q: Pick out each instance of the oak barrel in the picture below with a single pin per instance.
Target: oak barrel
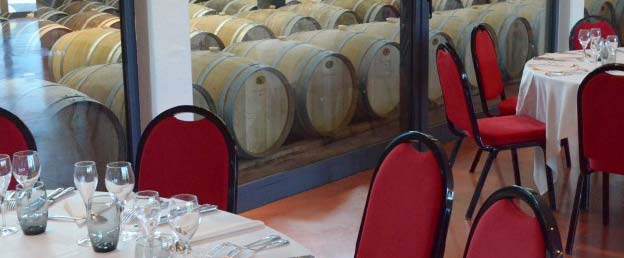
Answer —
(395, 3)
(196, 10)
(35, 34)
(67, 125)
(602, 8)
(535, 13)
(113, 3)
(443, 5)
(48, 13)
(367, 10)
(328, 16)
(232, 7)
(253, 99)
(92, 19)
(376, 63)
(84, 48)
(323, 81)
(468, 3)
(388, 30)
(202, 40)
(85, 6)
(231, 29)
(282, 23)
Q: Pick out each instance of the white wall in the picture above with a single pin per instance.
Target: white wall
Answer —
(164, 56)
(570, 11)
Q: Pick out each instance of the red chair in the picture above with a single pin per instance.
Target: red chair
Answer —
(600, 136)
(196, 157)
(14, 136)
(490, 82)
(503, 229)
(492, 134)
(590, 22)
(409, 203)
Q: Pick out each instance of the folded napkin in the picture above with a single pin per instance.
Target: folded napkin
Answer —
(75, 208)
(561, 56)
(556, 68)
(207, 230)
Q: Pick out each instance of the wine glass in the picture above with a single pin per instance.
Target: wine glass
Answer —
(27, 167)
(596, 36)
(184, 220)
(85, 180)
(613, 44)
(584, 37)
(5, 179)
(147, 208)
(119, 181)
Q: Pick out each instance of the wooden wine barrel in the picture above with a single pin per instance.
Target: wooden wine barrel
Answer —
(395, 3)
(389, 30)
(67, 125)
(48, 13)
(254, 100)
(35, 34)
(328, 16)
(105, 84)
(282, 23)
(231, 29)
(196, 10)
(113, 3)
(443, 5)
(324, 82)
(202, 40)
(602, 8)
(232, 7)
(85, 6)
(535, 13)
(367, 10)
(84, 48)
(376, 63)
(468, 3)
(92, 19)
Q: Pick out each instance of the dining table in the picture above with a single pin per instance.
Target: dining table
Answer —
(216, 227)
(548, 92)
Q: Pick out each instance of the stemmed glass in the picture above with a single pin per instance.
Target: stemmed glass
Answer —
(119, 181)
(27, 167)
(147, 208)
(184, 219)
(584, 37)
(5, 179)
(85, 180)
(596, 37)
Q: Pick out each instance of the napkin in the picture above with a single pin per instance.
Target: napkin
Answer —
(561, 56)
(208, 231)
(75, 208)
(556, 68)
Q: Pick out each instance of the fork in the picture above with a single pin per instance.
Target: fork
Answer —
(10, 201)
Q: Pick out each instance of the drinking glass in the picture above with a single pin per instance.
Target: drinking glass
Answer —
(584, 37)
(26, 167)
(596, 36)
(184, 220)
(5, 179)
(103, 222)
(119, 181)
(157, 246)
(612, 42)
(147, 208)
(85, 180)
(32, 208)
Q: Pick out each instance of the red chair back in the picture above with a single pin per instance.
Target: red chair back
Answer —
(14, 137)
(196, 157)
(409, 202)
(600, 113)
(453, 81)
(502, 229)
(485, 61)
(590, 22)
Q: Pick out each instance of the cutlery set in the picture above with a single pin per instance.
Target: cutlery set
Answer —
(11, 201)
(232, 250)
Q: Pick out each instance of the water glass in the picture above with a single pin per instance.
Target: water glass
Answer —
(119, 180)
(26, 167)
(5, 179)
(147, 208)
(156, 246)
(32, 208)
(584, 37)
(613, 44)
(85, 180)
(184, 220)
(103, 222)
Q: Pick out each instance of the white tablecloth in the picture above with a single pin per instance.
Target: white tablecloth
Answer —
(552, 100)
(60, 238)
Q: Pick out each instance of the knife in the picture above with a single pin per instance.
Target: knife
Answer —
(203, 209)
(55, 192)
(61, 194)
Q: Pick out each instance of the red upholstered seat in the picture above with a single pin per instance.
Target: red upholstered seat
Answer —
(588, 23)
(14, 137)
(188, 157)
(506, 130)
(507, 107)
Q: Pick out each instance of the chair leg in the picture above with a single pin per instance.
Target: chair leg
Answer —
(551, 189)
(585, 197)
(516, 167)
(455, 151)
(605, 199)
(575, 213)
(475, 161)
(480, 183)
(566, 149)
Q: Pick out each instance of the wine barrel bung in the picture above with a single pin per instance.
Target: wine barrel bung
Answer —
(328, 16)
(231, 29)
(232, 7)
(105, 84)
(281, 23)
(203, 40)
(253, 99)
(376, 63)
(68, 126)
(196, 10)
(84, 48)
(602, 8)
(367, 10)
(48, 13)
(35, 34)
(443, 5)
(92, 19)
(85, 6)
(323, 81)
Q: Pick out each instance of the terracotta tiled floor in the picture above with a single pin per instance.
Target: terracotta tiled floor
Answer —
(327, 219)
